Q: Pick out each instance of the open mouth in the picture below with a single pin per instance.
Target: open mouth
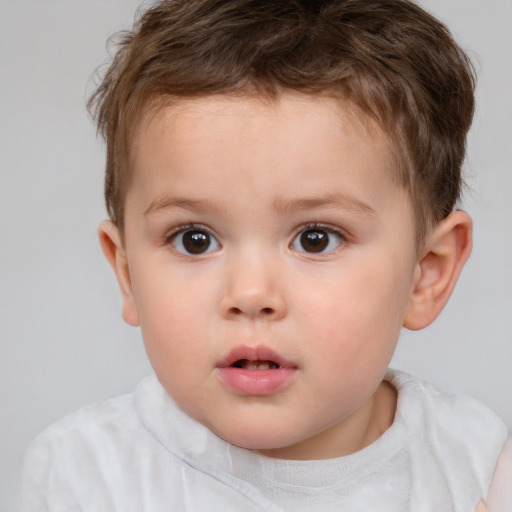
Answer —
(255, 358)
(256, 371)
(247, 364)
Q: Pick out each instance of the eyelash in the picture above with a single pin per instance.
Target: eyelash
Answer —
(318, 226)
(171, 237)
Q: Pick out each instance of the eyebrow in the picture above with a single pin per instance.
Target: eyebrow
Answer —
(342, 201)
(164, 203)
(282, 206)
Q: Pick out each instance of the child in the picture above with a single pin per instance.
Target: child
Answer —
(281, 181)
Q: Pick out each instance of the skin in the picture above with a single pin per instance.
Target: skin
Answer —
(254, 176)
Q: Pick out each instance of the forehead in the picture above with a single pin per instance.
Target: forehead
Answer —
(322, 108)
(181, 122)
(292, 142)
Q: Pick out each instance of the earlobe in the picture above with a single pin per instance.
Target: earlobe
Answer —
(113, 248)
(445, 252)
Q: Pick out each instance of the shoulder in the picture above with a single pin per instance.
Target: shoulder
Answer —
(92, 424)
(453, 436)
(455, 420)
(83, 454)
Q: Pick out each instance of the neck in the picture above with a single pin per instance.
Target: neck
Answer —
(350, 435)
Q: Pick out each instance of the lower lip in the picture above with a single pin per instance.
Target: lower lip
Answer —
(255, 382)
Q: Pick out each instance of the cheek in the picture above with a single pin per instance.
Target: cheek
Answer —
(173, 312)
(358, 313)
(173, 323)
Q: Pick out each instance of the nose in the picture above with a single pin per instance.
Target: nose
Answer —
(252, 290)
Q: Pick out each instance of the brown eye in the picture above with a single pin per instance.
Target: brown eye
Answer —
(314, 240)
(317, 240)
(195, 241)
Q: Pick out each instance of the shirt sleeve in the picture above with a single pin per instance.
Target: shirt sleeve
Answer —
(46, 476)
(32, 484)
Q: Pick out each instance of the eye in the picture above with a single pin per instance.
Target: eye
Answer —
(194, 241)
(317, 240)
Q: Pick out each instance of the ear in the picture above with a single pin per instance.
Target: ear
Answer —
(113, 248)
(445, 251)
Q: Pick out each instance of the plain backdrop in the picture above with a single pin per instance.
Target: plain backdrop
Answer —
(63, 343)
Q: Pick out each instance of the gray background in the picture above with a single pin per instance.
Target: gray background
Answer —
(63, 343)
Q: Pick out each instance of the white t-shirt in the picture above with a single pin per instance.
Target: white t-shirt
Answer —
(140, 453)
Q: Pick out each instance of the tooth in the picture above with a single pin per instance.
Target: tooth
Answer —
(258, 365)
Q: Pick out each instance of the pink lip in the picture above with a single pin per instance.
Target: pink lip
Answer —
(255, 382)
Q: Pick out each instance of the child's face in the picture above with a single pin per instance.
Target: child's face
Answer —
(271, 259)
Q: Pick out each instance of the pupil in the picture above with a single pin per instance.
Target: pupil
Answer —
(314, 240)
(196, 242)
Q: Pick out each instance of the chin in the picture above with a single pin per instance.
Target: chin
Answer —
(255, 439)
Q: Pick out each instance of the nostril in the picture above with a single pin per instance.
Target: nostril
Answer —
(236, 311)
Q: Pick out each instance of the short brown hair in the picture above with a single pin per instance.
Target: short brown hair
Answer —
(390, 58)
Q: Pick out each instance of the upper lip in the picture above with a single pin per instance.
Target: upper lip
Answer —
(259, 353)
